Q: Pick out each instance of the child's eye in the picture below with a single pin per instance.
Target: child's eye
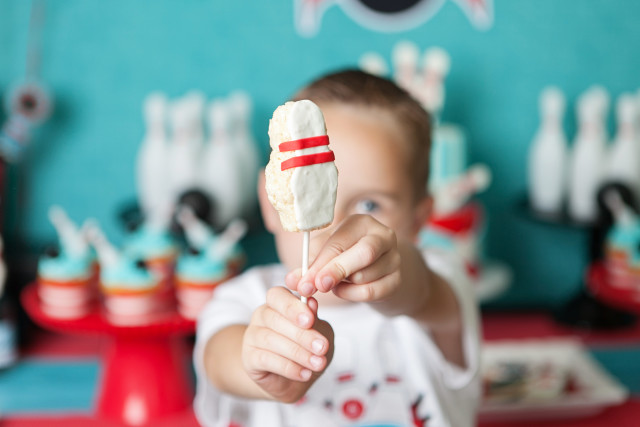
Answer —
(367, 206)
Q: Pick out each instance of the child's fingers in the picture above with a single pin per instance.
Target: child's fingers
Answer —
(291, 318)
(385, 265)
(273, 342)
(312, 303)
(364, 253)
(310, 339)
(292, 278)
(288, 305)
(355, 244)
(261, 360)
(372, 291)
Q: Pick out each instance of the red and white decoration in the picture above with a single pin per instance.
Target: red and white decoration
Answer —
(387, 15)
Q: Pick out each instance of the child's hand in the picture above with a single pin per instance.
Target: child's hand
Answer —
(360, 261)
(285, 347)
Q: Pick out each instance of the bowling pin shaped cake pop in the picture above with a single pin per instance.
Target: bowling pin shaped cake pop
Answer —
(301, 176)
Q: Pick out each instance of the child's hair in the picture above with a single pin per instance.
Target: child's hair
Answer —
(361, 89)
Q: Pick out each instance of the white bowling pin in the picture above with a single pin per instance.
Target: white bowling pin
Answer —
(373, 63)
(436, 65)
(222, 246)
(246, 149)
(152, 161)
(638, 107)
(623, 215)
(183, 149)
(548, 155)
(587, 161)
(624, 154)
(455, 193)
(108, 255)
(197, 232)
(72, 241)
(159, 220)
(602, 100)
(405, 65)
(313, 187)
(220, 173)
(196, 101)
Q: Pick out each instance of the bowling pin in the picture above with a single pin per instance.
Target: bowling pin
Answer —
(223, 245)
(72, 240)
(638, 107)
(624, 216)
(602, 100)
(405, 64)
(624, 154)
(108, 255)
(152, 160)
(587, 161)
(455, 193)
(220, 171)
(436, 65)
(196, 101)
(197, 232)
(246, 149)
(374, 63)
(183, 148)
(548, 155)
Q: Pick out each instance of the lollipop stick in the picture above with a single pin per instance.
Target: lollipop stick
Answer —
(305, 258)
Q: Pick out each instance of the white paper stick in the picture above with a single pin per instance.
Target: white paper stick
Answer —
(305, 258)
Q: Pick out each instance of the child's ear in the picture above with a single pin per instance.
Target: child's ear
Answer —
(269, 214)
(422, 213)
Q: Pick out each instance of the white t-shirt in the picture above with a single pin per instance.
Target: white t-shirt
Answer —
(385, 372)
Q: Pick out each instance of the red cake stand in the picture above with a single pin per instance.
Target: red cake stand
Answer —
(146, 373)
(625, 298)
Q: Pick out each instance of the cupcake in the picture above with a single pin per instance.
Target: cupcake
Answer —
(197, 276)
(210, 262)
(155, 246)
(622, 245)
(131, 291)
(622, 256)
(66, 276)
(459, 232)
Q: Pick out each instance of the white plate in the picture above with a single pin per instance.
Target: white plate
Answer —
(595, 389)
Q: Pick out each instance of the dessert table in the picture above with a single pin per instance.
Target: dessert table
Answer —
(146, 369)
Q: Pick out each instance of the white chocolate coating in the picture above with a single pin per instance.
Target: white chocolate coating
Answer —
(303, 196)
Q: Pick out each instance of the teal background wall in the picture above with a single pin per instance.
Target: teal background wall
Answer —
(100, 58)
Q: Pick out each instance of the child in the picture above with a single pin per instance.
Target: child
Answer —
(389, 336)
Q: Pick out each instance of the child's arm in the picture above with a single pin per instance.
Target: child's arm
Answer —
(278, 355)
(364, 261)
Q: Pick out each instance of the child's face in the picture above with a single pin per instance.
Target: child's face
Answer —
(372, 179)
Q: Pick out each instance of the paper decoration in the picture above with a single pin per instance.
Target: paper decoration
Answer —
(387, 15)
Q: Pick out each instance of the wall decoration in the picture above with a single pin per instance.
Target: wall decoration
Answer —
(457, 223)
(387, 15)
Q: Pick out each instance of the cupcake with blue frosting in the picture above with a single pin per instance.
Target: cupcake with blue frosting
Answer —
(66, 275)
(211, 260)
(131, 290)
(155, 246)
(622, 250)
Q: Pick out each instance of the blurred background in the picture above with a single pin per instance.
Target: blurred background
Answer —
(99, 60)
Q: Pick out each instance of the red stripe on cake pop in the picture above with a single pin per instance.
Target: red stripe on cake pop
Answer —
(308, 160)
(301, 144)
